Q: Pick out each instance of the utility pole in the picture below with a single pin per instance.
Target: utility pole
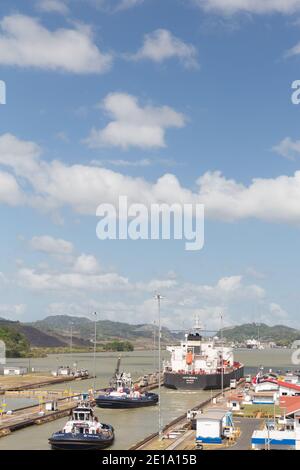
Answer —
(154, 347)
(222, 359)
(269, 440)
(71, 345)
(158, 297)
(95, 348)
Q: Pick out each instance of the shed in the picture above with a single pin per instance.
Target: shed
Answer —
(51, 406)
(234, 402)
(210, 425)
(264, 398)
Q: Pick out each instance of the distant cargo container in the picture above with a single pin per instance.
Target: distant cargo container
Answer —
(11, 370)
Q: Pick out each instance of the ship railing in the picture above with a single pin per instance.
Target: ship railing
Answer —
(202, 371)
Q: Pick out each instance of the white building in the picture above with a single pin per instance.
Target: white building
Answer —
(253, 344)
(288, 437)
(273, 439)
(234, 402)
(264, 398)
(288, 389)
(14, 370)
(210, 425)
(291, 379)
(266, 386)
(62, 370)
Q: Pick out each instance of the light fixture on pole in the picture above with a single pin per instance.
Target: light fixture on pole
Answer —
(71, 345)
(158, 297)
(154, 346)
(222, 358)
(95, 346)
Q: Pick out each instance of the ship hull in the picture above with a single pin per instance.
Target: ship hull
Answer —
(70, 442)
(189, 381)
(106, 401)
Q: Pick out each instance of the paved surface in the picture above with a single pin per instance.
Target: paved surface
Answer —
(247, 426)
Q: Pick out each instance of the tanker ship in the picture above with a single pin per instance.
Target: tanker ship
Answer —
(201, 363)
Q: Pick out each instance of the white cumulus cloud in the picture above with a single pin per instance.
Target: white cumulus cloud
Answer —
(288, 148)
(250, 6)
(53, 6)
(53, 185)
(86, 264)
(25, 42)
(114, 6)
(126, 4)
(48, 244)
(134, 125)
(161, 45)
(70, 281)
(10, 191)
(12, 311)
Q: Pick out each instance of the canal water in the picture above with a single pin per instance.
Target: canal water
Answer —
(130, 425)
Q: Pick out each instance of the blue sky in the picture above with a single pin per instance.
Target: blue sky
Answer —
(172, 101)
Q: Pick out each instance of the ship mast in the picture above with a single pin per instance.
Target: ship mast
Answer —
(198, 327)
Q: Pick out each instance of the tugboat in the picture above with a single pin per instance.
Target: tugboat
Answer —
(83, 431)
(122, 393)
(201, 363)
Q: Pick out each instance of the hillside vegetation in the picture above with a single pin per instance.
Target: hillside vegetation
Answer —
(84, 328)
(52, 334)
(16, 343)
(280, 334)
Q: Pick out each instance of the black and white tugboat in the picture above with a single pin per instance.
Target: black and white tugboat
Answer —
(201, 362)
(83, 432)
(123, 394)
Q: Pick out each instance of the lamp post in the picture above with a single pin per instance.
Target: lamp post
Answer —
(95, 346)
(158, 297)
(71, 345)
(222, 359)
(154, 347)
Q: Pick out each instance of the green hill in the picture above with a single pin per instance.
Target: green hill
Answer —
(53, 333)
(280, 334)
(106, 330)
(16, 343)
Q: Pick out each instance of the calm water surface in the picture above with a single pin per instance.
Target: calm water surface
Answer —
(130, 425)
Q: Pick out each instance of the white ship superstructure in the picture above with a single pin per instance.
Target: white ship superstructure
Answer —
(198, 357)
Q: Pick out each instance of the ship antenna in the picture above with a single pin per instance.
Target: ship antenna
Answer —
(197, 325)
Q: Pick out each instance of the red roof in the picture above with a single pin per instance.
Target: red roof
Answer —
(289, 404)
(288, 385)
(236, 397)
